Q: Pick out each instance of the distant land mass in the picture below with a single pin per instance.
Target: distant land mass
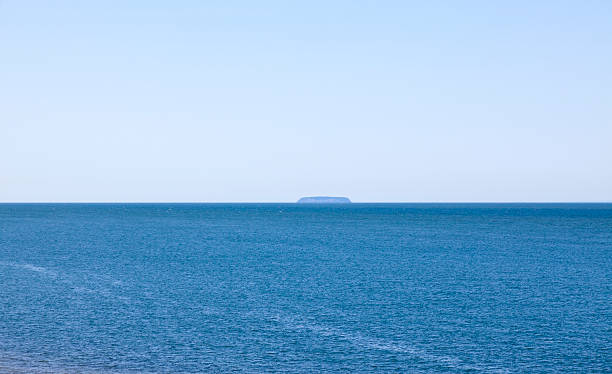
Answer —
(324, 200)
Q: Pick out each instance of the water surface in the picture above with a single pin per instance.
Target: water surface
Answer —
(187, 288)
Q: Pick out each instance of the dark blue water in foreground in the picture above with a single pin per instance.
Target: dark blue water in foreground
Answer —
(187, 288)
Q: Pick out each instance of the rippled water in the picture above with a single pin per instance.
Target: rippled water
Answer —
(186, 288)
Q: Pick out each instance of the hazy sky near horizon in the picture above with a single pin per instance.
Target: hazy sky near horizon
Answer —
(274, 100)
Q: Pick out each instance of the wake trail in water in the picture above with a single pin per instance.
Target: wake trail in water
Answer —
(30, 267)
(367, 342)
(75, 284)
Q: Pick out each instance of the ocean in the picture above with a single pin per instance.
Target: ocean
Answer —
(254, 288)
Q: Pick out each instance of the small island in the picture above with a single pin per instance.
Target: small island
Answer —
(324, 200)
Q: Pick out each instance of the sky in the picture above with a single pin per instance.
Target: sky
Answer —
(268, 101)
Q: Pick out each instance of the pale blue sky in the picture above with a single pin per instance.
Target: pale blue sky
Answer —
(273, 100)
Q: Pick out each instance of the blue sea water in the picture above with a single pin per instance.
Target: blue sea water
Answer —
(191, 288)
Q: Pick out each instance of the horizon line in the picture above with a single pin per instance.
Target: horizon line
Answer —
(295, 202)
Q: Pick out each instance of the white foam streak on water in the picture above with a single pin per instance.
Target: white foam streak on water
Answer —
(290, 322)
(34, 268)
(73, 283)
(367, 342)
